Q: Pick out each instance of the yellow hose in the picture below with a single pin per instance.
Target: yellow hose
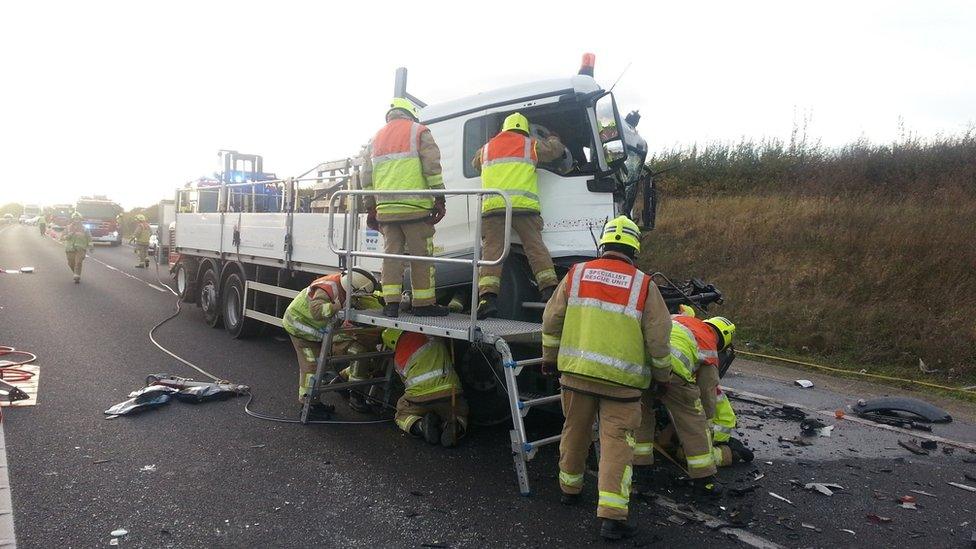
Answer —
(863, 374)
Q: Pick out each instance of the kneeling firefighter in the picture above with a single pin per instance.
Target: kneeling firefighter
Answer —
(689, 396)
(311, 313)
(432, 406)
(726, 449)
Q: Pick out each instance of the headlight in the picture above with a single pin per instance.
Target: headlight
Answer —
(115, 234)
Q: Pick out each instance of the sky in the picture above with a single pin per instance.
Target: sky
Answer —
(132, 99)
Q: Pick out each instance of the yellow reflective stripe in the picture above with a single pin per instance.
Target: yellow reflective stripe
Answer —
(616, 501)
(643, 448)
(392, 289)
(435, 181)
(545, 275)
(721, 429)
(610, 361)
(550, 340)
(700, 461)
(491, 281)
(661, 362)
(406, 422)
(423, 294)
(569, 479)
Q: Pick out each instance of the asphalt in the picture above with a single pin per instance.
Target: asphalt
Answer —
(207, 475)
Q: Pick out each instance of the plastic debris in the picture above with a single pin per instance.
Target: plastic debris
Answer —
(924, 493)
(113, 541)
(839, 414)
(811, 426)
(825, 488)
(120, 532)
(781, 498)
(160, 388)
(908, 502)
(825, 431)
(965, 487)
(796, 441)
(873, 517)
(148, 468)
(27, 270)
(805, 383)
(851, 532)
(759, 475)
(810, 527)
(890, 406)
(141, 400)
(929, 444)
(913, 448)
(925, 369)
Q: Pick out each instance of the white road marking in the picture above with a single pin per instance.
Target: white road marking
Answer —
(7, 536)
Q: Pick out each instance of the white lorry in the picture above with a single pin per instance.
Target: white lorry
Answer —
(249, 226)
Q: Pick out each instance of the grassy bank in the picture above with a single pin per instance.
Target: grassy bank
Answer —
(865, 256)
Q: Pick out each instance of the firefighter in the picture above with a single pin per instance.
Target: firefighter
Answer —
(42, 224)
(141, 238)
(508, 162)
(604, 328)
(77, 242)
(689, 394)
(432, 406)
(403, 156)
(726, 449)
(310, 314)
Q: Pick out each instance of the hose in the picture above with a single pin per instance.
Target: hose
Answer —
(250, 396)
(962, 390)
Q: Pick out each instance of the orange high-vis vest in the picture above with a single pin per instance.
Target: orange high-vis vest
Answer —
(508, 163)
(397, 167)
(705, 338)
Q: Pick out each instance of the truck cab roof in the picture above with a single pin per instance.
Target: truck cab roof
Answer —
(577, 84)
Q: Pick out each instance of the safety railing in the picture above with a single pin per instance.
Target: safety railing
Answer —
(351, 232)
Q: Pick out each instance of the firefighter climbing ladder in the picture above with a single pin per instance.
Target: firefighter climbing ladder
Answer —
(496, 333)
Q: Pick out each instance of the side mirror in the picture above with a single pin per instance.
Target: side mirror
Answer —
(609, 129)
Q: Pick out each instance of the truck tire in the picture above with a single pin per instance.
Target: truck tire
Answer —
(208, 297)
(518, 286)
(235, 322)
(186, 283)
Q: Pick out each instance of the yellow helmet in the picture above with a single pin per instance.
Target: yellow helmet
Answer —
(405, 104)
(686, 310)
(390, 337)
(516, 122)
(621, 230)
(140, 217)
(76, 215)
(725, 328)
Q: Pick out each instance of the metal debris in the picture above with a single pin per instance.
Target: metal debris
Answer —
(924, 493)
(810, 527)
(805, 383)
(913, 448)
(781, 498)
(965, 487)
(825, 488)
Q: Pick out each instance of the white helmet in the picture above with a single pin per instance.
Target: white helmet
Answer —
(358, 281)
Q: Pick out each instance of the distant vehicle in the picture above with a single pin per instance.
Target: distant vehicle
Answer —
(154, 238)
(58, 216)
(8, 218)
(99, 214)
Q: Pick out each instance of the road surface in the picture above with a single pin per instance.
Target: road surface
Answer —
(208, 475)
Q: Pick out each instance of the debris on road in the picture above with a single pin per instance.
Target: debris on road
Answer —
(874, 517)
(891, 406)
(924, 493)
(781, 498)
(912, 447)
(100, 461)
(811, 426)
(805, 383)
(160, 388)
(825, 431)
(796, 440)
(148, 468)
(825, 488)
(810, 527)
(965, 487)
(908, 502)
(929, 444)
(851, 532)
(119, 533)
(925, 369)
(141, 400)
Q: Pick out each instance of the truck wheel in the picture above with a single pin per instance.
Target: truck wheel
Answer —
(186, 284)
(517, 287)
(235, 322)
(209, 299)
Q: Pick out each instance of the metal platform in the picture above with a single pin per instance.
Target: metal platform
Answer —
(454, 326)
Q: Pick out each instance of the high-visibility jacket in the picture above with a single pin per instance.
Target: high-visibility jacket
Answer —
(143, 232)
(298, 319)
(508, 163)
(76, 237)
(602, 336)
(724, 420)
(397, 167)
(693, 343)
(424, 363)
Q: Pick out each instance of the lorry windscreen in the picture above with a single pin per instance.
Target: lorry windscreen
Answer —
(567, 120)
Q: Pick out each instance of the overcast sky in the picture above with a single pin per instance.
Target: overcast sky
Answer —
(131, 99)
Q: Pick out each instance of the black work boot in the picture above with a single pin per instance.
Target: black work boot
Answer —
(451, 434)
(357, 401)
(430, 310)
(545, 294)
(616, 529)
(391, 310)
(708, 486)
(429, 428)
(740, 453)
(569, 499)
(487, 306)
(320, 412)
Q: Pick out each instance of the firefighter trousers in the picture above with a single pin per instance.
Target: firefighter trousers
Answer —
(415, 238)
(142, 250)
(308, 357)
(683, 401)
(618, 420)
(409, 412)
(75, 259)
(667, 439)
(529, 229)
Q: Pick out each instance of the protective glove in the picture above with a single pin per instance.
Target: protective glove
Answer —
(658, 390)
(371, 221)
(548, 369)
(440, 210)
